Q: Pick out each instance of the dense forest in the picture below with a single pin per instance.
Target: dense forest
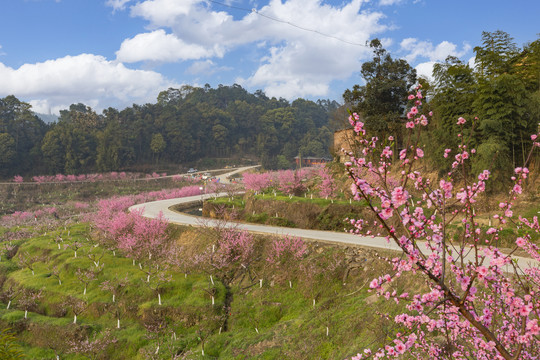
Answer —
(183, 126)
(499, 95)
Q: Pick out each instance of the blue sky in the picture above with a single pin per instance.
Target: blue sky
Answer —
(118, 52)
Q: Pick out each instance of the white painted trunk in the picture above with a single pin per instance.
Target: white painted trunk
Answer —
(313, 302)
(57, 357)
(32, 272)
(59, 282)
(149, 256)
(75, 253)
(174, 335)
(220, 329)
(114, 253)
(202, 352)
(113, 297)
(213, 248)
(118, 323)
(211, 279)
(290, 284)
(260, 283)
(84, 292)
(148, 279)
(58, 246)
(185, 275)
(133, 262)
(74, 319)
(96, 263)
(212, 301)
(8, 304)
(257, 330)
(157, 350)
(159, 299)
(327, 331)
(25, 314)
(140, 266)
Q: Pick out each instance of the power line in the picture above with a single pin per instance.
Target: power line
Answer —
(286, 22)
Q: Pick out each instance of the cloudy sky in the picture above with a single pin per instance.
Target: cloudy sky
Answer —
(118, 52)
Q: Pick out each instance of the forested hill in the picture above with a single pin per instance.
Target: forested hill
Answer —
(184, 125)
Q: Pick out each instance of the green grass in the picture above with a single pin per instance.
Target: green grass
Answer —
(284, 317)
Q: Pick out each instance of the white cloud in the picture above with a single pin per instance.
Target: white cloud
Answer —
(117, 4)
(425, 49)
(472, 62)
(86, 78)
(389, 2)
(163, 12)
(162, 47)
(200, 67)
(425, 70)
(296, 62)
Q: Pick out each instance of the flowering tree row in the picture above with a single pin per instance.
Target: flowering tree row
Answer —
(59, 178)
(480, 304)
(118, 203)
(291, 182)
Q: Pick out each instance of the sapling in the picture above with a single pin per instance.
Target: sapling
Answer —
(92, 348)
(26, 261)
(158, 281)
(95, 256)
(75, 246)
(85, 277)
(28, 299)
(56, 273)
(10, 294)
(76, 305)
(286, 252)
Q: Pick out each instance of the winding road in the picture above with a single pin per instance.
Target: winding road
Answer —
(154, 208)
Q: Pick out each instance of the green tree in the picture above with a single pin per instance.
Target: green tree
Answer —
(53, 151)
(157, 145)
(7, 152)
(453, 95)
(109, 148)
(497, 55)
(382, 100)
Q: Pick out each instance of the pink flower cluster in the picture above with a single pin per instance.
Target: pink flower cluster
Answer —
(480, 310)
(286, 249)
(112, 176)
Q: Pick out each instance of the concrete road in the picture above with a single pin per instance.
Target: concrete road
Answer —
(154, 208)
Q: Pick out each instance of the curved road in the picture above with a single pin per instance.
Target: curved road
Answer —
(154, 208)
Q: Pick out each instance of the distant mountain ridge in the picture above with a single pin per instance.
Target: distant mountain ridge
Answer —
(47, 118)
